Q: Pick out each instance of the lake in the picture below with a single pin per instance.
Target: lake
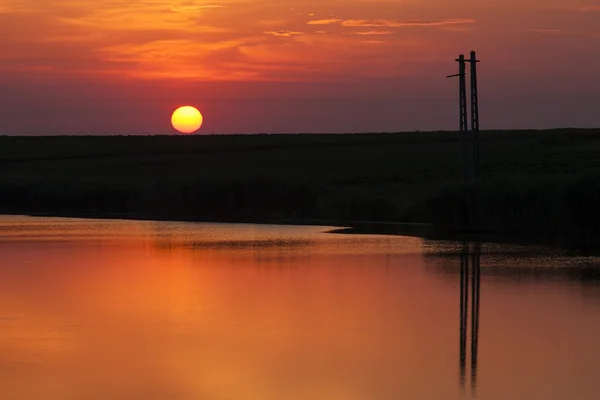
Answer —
(112, 309)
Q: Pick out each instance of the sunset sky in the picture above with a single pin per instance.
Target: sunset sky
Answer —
(119, 67)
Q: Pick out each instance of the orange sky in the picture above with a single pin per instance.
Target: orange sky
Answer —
(115, 66)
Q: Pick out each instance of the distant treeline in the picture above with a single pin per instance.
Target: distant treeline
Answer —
(532, 181)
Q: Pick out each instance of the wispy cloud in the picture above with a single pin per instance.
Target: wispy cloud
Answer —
(402, 24)
(590, 8)
(16, 7)
(371, 33)
(283, 33)
(381, 23)
(196, 9)
(213, 40)
(324, 21)
(151, 15)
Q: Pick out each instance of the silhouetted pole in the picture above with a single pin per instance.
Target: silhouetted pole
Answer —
(475, 116)
(469, 140)
(462, 81)
(462, 93)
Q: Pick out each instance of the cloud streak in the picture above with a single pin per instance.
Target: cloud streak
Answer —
(195, 9)
(385, 23)
(284, 33)
(324, 21)
(403, 24)
(371, 33)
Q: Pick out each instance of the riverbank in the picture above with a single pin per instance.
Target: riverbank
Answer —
(395, 178)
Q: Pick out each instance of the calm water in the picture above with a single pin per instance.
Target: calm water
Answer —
(150, 310)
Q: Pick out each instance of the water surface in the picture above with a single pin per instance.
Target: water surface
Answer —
(93, 309)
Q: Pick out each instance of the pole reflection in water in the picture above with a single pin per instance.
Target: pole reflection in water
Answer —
(464, 300)
(469, 266)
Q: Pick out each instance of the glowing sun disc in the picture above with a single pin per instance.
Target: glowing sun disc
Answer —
(186, 119)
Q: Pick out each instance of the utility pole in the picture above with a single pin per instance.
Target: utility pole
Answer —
(462, 93)
(469, 140)
(475, 116)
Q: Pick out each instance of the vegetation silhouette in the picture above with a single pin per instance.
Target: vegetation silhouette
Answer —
(543, 182)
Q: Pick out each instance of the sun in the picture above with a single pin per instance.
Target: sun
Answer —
(187, 119)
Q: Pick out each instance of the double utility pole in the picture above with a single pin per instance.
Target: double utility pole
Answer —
(469, 139)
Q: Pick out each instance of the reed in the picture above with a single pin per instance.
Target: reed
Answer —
(552, 205)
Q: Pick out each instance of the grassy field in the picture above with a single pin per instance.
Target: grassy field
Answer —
(404, 177)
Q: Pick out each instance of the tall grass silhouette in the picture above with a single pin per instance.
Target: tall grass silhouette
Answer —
(532, 181)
